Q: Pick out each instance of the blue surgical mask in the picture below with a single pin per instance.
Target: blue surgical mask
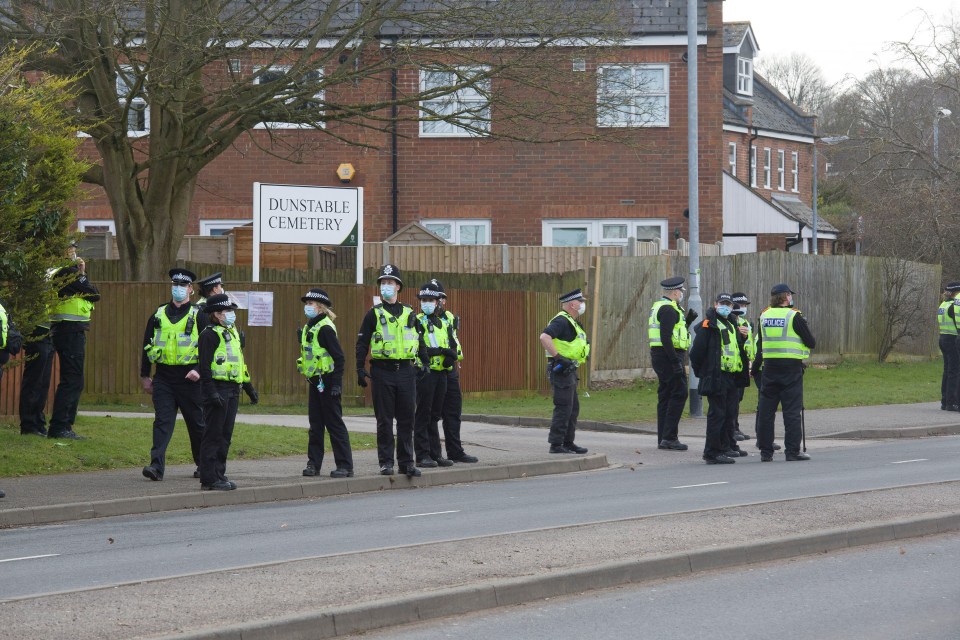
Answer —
(388, 291)
(723, 310)
(229, 318)
(310, 311)
(428, 307)
(179, 293)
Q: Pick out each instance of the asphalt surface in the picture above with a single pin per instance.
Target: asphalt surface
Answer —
(901, 591)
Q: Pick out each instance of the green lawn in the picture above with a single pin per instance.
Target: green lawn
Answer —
(115, 443)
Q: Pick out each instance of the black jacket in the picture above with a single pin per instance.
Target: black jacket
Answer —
(705, 355)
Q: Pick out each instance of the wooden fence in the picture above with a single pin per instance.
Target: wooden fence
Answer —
(206, 249)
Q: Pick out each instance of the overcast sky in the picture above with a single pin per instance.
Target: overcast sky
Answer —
(842, 36)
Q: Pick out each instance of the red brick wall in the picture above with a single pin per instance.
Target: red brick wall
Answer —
(774, 144)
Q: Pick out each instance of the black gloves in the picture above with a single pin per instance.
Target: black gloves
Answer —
(691, 315)
(362, 376)
(563, 365)
(251, 392)
(433, 351)
(449, 361)
(449, 353)
(336, 391)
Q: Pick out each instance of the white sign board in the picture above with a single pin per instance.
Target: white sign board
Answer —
(310, 215)
(260, 313)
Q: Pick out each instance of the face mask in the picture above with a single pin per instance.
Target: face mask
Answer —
(428, 307)
(739, 312)
(229, 318)
(179, 293)
(723, 310)
(387, 291)
(581, 308)
(310, 311)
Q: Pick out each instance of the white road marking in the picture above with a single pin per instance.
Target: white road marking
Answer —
(47, 555)
(432, 513)
(906, 461)
(705, 484)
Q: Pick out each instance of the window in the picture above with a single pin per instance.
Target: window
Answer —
(609, 232)
(464, 112)
(766, 168)
(753, 166)
(796, 171)
(133, 101)
(220, 227)
(97, 226)
(732, 146)
(633, 95)
(460, 231)
(295, 113)
(781, 169)
(745, 76)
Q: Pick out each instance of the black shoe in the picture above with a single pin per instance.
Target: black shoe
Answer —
(66, 435)
(953, 407)
(718, 459)
(412, 472)
(34, 432)
(219, 485)
(766, 457)
(443, 462)
(672, 445)
(233, 485)
(776, 447)
(740, 435)
(736, 453)
(311, 471)
(341, 473)
(575, 448)
(427, 463)
(42, 431)
(196, 473)
(559, 448)
(2, 494)
(799, 455)
(153, 473)
(386, 469)
(466, 458)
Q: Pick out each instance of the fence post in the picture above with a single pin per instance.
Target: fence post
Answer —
(385, 252)
(231, 255)
(108, 245)
(631, 249)
(505, 257)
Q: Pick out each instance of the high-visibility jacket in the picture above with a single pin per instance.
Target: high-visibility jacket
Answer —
(314, 359)
(228, 364)
(750, 346)
(452, 321)
(436, 336)
(681, 335)
(730, 359)
(577, 349)
(72, 309)
(779, 338)
(5, 329)
(946, 324)
(174, 343)
(394, 338)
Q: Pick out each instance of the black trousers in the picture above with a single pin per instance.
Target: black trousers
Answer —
(218, 433)
(671, 395)
(720, 418)
(566, 407)
(951, 371)
(35, 385)
(782, 386)
(326, 414)
(168, 398)
(431, 390)
(71, 347)
(394, 398)
(451, 412)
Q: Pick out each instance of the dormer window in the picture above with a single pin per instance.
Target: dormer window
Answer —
(745, 76)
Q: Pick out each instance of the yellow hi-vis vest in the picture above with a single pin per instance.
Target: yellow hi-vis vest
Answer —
(435, 337)
(452, 321)
(228, 364)
(681, 335)
(6, 327)
(72, 309)
(314, 359)
(779, 338)
(946, 324)
(730, 359)
(394, 338)
(578, 349)
(750, 346)
(174, 343)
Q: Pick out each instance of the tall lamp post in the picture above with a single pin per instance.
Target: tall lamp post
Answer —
(693, 182)
(942, 112)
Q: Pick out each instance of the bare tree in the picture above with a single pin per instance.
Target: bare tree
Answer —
(799, 78)
(195, 76)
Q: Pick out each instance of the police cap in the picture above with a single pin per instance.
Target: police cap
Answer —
(210, 281)
(781, 288)
(390, 271)
(317, 295)
(576, 294)
(741, 298)
(724, 297)
(439, 287)
(671, 284)
(181, 276)
(219, 302)
(953, 287)
(428, 290)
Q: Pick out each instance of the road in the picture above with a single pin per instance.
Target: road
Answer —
(905, 591)
(85, 554)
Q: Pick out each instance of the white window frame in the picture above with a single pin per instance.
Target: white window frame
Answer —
(767, 169)
(753, 166)
(781, 170)
(796, 171)
(744, 76)
(462, 102)
(128, 103)
(83, 225)
(286, 125)
(629, 117)
(732, 157)
(207, 226)
(455, 226)
(594, 229)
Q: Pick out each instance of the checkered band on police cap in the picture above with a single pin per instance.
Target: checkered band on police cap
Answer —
(181, 276)
(317, 295)
(429, 290)
(576, 294)
(671, 284)
(741, 298)
(211, 280)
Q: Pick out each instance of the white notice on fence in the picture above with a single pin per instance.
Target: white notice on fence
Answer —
(261, 309)
(239, 298)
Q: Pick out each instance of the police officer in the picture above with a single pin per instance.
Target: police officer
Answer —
(70, 320)
(210, 286)
(322, 363)
(669, 341)
(947, 324)
(749, 344)
(389, 332)
(565, 342)
(222, 372)
(453, 398)
(785, 342)
(437, 356)
(35, 384)
(170, 341)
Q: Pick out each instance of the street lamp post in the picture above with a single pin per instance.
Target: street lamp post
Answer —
(693, 183)
(942, 112)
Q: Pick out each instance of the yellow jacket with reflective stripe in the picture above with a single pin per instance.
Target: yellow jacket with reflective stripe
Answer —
(779, 338)
(681, 335)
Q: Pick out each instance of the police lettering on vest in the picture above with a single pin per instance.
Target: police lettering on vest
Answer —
(779, 338)
(314, 359)
(578, 349)
(174, 344)
(680, 336)
(228, 364)
(395, 338)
